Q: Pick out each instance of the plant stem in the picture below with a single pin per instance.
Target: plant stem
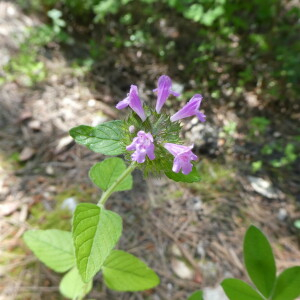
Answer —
(110, 190)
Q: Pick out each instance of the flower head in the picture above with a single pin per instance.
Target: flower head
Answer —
(134, 102)
(163, 91)
(183, 156)
(143, 145)
(190, 109)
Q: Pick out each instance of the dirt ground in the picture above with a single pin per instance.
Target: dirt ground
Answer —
(191, 235)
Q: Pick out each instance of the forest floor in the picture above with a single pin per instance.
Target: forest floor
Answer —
(190, 234)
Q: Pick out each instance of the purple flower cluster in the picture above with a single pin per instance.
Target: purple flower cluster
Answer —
(143, 143)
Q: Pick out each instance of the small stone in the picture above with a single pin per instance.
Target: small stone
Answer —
(91, 102)
(26, 154)
(35, 125)
(200, 249)
(282, 214)
(209, 270)
(69, 204)
(49, 170)
(181, 269)
(62, 143)
(215, 293)
(263, 187)
(175, 250)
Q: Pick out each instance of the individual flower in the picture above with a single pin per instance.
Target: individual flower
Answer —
(183, 156)
(163, 91)
(143, 145)
(190, 109)
(134, 102)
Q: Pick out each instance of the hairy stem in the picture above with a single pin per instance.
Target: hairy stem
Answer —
(110, 190)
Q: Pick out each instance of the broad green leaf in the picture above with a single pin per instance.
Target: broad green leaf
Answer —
(72, 286)
(53, 247)
(287, 286)
(125, 272)
(104, 138)
(259, 260)
(192, 177)
(237, 289)
(104, 174)
(198, 295)
(95, 233)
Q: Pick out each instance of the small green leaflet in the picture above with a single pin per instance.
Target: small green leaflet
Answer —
(96, 231)
(237, 289)
(287, 286)
(125, 272)
(198, 295)
(104, 138)
(104, 174)
(191, 177)
(53, 247)
(259, 260)
(72, 286)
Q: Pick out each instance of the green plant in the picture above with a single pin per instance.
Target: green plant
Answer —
(258, 125)
(95, 230)
(289, 157)
(261, 268)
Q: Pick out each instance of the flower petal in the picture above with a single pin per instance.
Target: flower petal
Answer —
(122, 104)
(135, 102)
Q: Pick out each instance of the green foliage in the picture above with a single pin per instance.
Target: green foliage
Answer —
(237, 289)
(289, 157)
(104, 138)
(198, 295)
(58, 22)
(260, 264)
(287, 286)
(256, 165)
(259, 260)
(125, 272)
(104, 174)
(53, 247)
(259, 125)
(96, 231)
(72, 286)
(297, 224)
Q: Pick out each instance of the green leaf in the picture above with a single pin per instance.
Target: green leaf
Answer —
(125, 272)
(192, 177)
(287, 286)
(104, 138)
(104, 174)
(72, 286)
(237, 289)
(259, 260)
(53, 247)
(198, 295)
(95, 233)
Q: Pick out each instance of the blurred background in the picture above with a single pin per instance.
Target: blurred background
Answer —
(68, 62)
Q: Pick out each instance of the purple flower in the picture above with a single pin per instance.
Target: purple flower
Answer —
(183, 156)
(190, 109)
(143, 145)
(163, 91)
(133, 101)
